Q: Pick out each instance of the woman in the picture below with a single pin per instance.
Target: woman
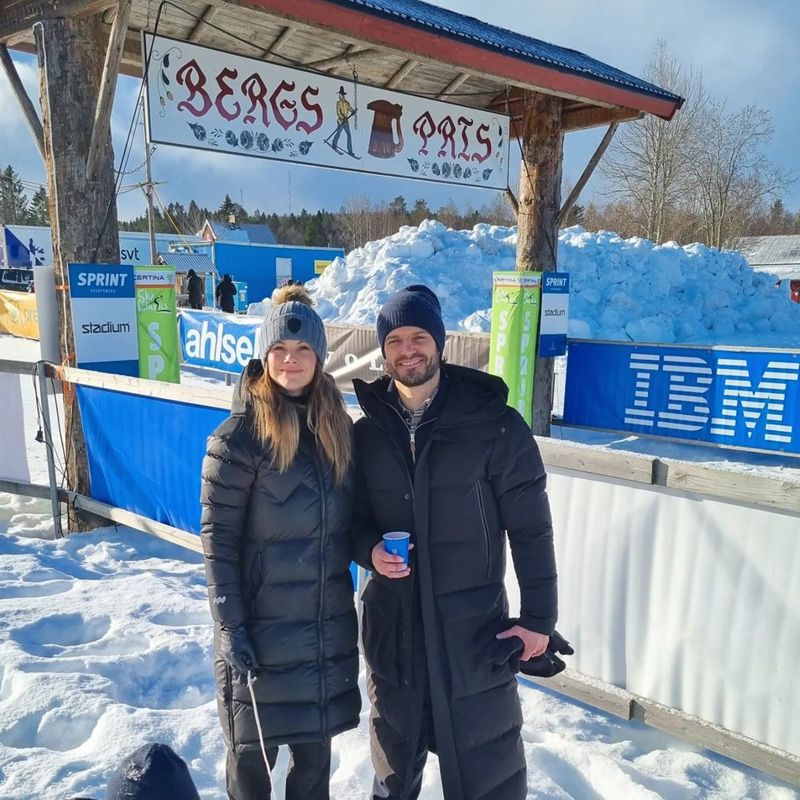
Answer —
(276, 538)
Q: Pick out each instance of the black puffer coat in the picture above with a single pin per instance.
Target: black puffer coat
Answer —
(478, 476)
(277, 554)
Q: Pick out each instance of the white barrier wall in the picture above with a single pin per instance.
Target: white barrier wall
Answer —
(689, 601)
(13, 453)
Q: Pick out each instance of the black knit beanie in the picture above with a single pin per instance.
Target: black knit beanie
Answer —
(416, 306)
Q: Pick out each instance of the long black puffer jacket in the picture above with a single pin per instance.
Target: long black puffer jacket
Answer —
(478, 481)
(277, 555)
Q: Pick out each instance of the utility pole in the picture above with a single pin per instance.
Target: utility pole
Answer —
(148, 191)
(83, 210)
(542, 139)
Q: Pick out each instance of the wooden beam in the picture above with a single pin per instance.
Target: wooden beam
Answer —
(587, 173)
(351, 54)
(593, 117)
(280, 41)
(101, 131)
(402, 73)
(208, 16)
(453, 85)
(28, 110)
(512, 200)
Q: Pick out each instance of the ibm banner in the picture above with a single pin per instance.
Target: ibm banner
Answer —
(744, 398)
(211, 100)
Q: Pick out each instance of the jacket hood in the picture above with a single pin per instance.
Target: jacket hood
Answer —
(473, 396)
(241, 399)
(153, 772)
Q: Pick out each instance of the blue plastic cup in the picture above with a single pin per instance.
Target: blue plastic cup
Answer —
(396, 543)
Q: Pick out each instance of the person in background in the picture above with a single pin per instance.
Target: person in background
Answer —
(277, 539)
(441, 455)
(224, 294)
(194, 286)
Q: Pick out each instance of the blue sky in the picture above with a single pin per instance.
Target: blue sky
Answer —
(746, 51)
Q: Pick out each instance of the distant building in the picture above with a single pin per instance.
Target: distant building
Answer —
(233, 231)
(778, 255)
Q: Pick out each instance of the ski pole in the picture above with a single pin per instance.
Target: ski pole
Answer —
(251, 679)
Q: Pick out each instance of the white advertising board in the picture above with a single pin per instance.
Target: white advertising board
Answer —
(104, 317)
(211, 100)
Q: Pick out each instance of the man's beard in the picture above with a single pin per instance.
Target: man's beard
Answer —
(419, 375)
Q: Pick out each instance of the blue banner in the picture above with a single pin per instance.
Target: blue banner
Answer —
(742, 398)
(218, 340)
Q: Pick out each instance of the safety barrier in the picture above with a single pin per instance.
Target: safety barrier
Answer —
(673, 576)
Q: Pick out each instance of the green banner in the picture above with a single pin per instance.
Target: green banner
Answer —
(159, 357)
(515, 324)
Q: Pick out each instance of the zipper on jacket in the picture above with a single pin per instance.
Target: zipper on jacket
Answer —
(485, 524)
(323, 711)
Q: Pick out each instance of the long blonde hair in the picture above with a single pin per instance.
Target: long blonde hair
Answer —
(276, 421)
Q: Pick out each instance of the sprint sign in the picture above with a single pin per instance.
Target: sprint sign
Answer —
(104, 317)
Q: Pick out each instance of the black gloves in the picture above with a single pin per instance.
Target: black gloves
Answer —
(237, 649)
(546, 665)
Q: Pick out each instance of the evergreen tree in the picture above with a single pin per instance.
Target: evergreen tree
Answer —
(227, 208)
(13, 200)
(39, 210)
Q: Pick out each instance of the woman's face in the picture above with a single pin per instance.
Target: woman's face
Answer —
(291, 365)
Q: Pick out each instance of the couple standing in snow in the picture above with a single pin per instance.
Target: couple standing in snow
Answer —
(291, 495)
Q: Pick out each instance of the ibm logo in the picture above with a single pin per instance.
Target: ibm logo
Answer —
(699, 396)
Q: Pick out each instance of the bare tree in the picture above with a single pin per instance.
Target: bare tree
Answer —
(732, 176)
(647, 163)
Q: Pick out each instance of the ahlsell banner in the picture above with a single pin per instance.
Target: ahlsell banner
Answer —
(746, 398)
(104, 317)
(515, 323)
(227, 343)
(211, 100)
(159, 359)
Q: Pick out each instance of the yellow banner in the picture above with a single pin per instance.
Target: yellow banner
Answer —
(18, 314)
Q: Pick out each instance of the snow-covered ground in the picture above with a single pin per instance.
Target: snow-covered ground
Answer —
(105, 644)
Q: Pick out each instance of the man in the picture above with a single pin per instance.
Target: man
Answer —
(343, 113)
(194, 286)
(224, 294)
(441, 455)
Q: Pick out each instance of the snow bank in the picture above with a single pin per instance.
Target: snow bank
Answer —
(622, 289)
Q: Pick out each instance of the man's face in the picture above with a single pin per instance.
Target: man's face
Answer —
(411, 356)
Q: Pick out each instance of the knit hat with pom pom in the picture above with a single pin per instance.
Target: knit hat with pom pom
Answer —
(291, 317)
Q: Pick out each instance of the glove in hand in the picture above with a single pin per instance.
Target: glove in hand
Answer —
(548, 664)
(237, 649)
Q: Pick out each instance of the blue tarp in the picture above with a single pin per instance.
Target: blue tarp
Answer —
(145, 453)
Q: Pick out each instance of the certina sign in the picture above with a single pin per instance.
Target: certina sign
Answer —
(104, 317)
(748, 398)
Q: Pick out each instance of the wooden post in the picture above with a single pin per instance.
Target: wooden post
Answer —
(542, 139)
(108, 83)
(28, 110)
(83, 212)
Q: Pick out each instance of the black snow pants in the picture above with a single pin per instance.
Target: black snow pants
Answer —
(308, 777)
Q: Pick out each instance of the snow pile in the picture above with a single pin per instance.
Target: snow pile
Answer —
(622, 289)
